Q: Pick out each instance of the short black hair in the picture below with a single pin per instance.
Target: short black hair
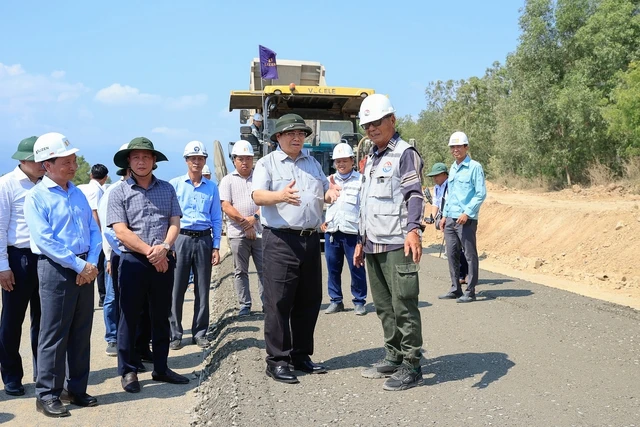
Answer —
(99, 171)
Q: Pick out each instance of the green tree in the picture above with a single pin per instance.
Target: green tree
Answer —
(623, 113)
(83, 172)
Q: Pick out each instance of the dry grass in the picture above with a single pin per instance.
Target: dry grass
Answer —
(632, 175)
(600, 174)
(522, 183)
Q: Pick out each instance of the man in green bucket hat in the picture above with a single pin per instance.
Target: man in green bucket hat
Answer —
(145, 214)
(19, 281)
(291, 188)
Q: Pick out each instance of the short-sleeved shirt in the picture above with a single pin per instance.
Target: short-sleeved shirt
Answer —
(237, 191)
(200, 206)
(93, 191)
(145, 211)
(274, 172)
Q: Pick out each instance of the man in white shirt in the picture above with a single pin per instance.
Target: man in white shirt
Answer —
(94, 191)
(18, 272)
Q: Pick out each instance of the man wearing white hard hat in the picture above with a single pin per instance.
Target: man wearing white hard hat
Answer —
(197, 246)
(391, 210)
(257, 127)
(206, 172)
(243, 224)
(459, 220)
(341, 232)
(19, 281)
(67, 239)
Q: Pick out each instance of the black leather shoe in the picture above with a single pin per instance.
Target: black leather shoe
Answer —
(467, 298)
(282, 374)
(169, 377)
(309, 367)
(79, 399)
(449, 295)
(146, 357)
(14, 389)
(130, 383)
(201, 342)
(141, 368)
(52, 408)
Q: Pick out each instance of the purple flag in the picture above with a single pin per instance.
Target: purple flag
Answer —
(268, 67)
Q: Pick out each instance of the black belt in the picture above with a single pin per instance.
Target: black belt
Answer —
(81, 256)
(193, 233)
(305, 232)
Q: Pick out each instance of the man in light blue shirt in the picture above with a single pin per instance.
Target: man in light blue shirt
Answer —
(467, 191)
(197, 246)
(67, 239)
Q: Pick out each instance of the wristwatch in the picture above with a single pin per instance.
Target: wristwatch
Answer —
(166, 246)
(257, 217)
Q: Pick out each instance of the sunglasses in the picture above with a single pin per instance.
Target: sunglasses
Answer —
(375, 123)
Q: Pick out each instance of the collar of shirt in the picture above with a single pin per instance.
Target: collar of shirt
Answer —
(49, 183)
(21, 176)
(465, 162)
(186, 178)
(131, 182)
(390, 146)
(282, 156)
(235, 172)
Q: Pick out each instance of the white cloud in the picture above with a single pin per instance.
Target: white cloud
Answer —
(173, 132)
(117, 94)
(58, 74)
(22, 92)
(186, 101)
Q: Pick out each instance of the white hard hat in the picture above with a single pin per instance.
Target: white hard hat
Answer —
(51, 145)
(242, 148)
(458, 138)
(257, 116)
(195, 148)
(206, 170)
(375, 107)
(342, 151)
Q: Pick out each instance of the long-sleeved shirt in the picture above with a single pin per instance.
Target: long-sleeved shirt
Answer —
(466, 190)
(439, 191)
(109, 240)
(200, 206)
(62, 225)
(13, 227)
(410, 171)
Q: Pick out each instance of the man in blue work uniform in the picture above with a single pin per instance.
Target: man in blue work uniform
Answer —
(341, 232)
(67, 239)
(459, 221)
(197, 246)
(145, 214)
(18, 272)
(291, 188)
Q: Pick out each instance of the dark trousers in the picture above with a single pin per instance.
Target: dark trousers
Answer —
(24, 265)
(143, 333)
(337, 246)
(139, 280)
(192, 253)
(292, 280)
(461, 241)
(102, 290)
(65, 331)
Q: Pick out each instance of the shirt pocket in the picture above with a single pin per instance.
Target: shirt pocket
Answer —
(386, 219)
(463, 181)
(382, 187)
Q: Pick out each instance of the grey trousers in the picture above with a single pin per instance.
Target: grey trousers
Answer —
(242, 249)
(191, 253)
(65, 331)
(458, 236)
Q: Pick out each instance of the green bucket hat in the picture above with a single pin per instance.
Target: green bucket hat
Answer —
(437, 169)
(290, 122)
(25, 149)
(121, 160)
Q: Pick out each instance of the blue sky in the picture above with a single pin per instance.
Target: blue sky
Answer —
(103, 73)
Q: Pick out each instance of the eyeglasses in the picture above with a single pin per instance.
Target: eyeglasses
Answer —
(456, 147)
(295, 134)
(375, 123)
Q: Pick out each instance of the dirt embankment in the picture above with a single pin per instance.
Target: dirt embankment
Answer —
(582, 240)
